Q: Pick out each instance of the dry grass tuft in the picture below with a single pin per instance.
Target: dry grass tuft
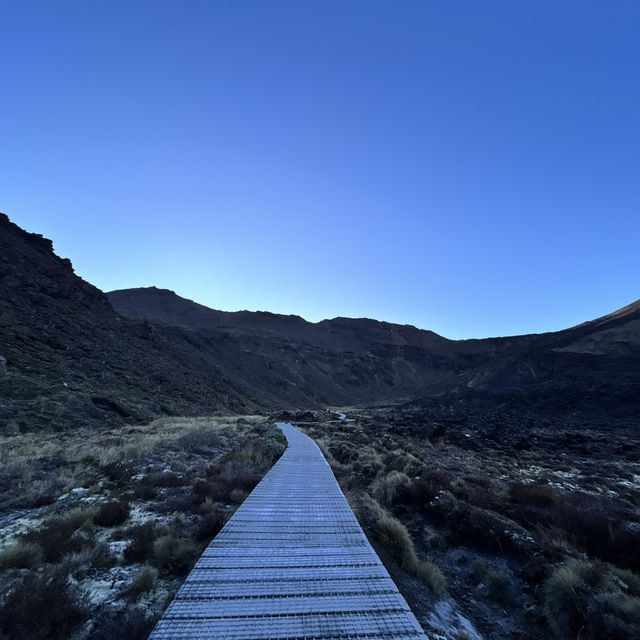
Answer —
(393, 535)
(174, 555)
(142, 583)
(20, 555)
(387, 489)
(591, 600)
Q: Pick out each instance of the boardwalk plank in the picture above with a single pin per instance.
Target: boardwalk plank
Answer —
(291, 564)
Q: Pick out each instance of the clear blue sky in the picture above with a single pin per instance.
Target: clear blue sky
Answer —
(467, 167)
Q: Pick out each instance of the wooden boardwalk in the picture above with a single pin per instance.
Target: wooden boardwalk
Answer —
(291, 564)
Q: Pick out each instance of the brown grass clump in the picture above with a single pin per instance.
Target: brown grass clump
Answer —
(142, 583)
(174, 555)
(389, 488)
(588, 600)
(20, 555)
(61, 535)
(393, 535)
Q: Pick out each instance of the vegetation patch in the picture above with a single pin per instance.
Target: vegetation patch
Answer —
(532, 522)
(128, 514)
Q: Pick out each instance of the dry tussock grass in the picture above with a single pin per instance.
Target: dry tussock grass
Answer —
(395, 537)
(138, 507)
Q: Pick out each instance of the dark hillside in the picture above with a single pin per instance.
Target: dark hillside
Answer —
(67, 358)
(588, 368)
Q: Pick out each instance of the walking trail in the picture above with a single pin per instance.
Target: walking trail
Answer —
(291, 564)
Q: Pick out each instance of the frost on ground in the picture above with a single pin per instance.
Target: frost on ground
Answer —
(115, 520)
(447, 623)
(530, 520)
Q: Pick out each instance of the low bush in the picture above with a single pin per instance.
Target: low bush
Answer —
(112, 514)
(599, 525)
(60, 535)
(215, 489)
(211, 523)
(144, 492)
(174, 555)
(533, 494)
(121, 624)
(141, 546)
(42, 606)
(119, 472)
(426, 487)
(238, 496)
(165, 479)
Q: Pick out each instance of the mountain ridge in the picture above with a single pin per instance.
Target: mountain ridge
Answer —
(419, 361)
(72, 354)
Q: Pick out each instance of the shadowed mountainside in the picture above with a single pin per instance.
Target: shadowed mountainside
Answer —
(591, 367)
(68, 358)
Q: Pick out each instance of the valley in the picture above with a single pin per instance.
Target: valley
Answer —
(498, 478)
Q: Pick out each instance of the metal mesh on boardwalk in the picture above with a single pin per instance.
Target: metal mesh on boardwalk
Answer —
(292, 564)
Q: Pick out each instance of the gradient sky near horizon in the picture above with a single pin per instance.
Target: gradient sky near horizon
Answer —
(467, 167)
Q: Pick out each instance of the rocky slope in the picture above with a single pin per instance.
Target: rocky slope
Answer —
(589, 368)
(72, 355)
(67, 358)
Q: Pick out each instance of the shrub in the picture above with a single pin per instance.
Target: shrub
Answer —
(599, 525)
(216, 490)
(141, 546)
(165, 479)
(61, 535)
(20, 555)
(174, 555)
(144, 492)
(42, 606)
(119, 472)
(112, 513)
(538, 495)
(118, 624)
(211, 523)
(425, 489)
(238, 496)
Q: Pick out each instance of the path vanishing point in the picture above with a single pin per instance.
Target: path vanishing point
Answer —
(291, 564)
